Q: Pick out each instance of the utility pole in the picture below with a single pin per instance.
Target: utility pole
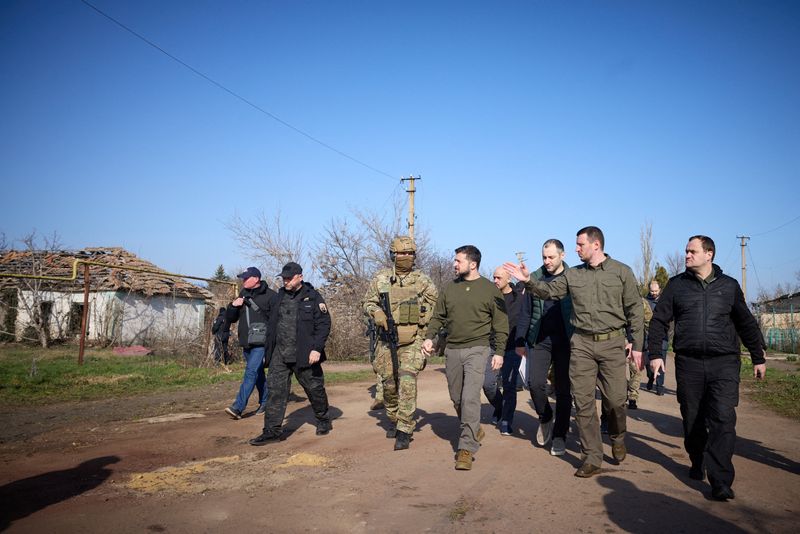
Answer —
(744, 239)
(411, 190)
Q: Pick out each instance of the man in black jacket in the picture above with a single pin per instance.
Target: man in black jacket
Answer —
(709, 311)
(299, 325)
(250, 310)
(222, 331)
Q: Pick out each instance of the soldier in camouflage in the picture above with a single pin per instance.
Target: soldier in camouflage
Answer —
(412, 297)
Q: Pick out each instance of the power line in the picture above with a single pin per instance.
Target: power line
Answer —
(753, 263)
(234, 94)
(778, 227)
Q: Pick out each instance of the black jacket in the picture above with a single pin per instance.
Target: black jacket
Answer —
(221, 328)
(707, 320)
(313, 324)
(262, 295)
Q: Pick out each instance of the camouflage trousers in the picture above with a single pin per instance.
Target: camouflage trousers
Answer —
(400, 405)
(634, 380)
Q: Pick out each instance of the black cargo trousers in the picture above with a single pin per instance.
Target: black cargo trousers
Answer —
(279, 380)
(708, 393)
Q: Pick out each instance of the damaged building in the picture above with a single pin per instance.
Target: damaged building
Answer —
(126, 305)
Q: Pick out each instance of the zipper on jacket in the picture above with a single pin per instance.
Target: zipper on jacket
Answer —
(705, 315)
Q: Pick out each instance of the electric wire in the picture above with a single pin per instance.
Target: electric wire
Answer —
(234, 94)
(777, 227)
(725, 264)
(753, 263)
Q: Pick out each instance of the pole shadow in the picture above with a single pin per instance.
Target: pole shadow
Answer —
(24, 497)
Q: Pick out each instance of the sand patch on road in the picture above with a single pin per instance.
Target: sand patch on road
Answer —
(177, 479)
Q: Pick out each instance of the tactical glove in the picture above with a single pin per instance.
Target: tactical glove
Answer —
(380, 319)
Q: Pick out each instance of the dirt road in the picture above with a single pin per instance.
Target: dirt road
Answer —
(80, 468)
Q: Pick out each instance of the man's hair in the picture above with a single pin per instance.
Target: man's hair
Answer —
(472, 253)
(593, 233)
(558, 244)
(707, 243)
(656, 282)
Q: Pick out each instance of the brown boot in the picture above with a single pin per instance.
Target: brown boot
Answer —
(377, 404)
(463, 460)
(481, 434)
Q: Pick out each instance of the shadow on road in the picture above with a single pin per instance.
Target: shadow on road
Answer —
(304, 415)
(635, 510)
(22, 498)
(746, 448)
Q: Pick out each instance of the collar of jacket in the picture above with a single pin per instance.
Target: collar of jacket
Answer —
(258, 290)
(539, 273)
(306, 287)
(715, 268)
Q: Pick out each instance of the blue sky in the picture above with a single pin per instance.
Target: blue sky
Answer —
(526, 120)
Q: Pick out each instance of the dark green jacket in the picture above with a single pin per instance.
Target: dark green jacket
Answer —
(530, 319)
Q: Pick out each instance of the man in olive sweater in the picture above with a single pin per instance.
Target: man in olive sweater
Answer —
(471, 309)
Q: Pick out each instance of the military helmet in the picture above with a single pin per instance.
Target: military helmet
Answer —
(403, 244)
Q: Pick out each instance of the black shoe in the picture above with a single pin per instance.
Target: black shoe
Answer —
(402, 441)
(649, 384)
(265, 438)
(660, 391)
(261, 409)
(696, 472)
(324, 428)
(632, 405)
(392, 432)
(233, 412)
(722, 493)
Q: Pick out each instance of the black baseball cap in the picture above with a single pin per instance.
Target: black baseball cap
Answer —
(250, 271)
(291, 269)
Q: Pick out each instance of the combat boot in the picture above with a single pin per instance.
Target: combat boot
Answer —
(463, 460)
(402, 442)
(392, 432)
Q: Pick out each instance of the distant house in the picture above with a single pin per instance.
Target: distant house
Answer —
(125, 306)
(779, 319)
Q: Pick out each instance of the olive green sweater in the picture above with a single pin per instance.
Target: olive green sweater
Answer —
(470, 311)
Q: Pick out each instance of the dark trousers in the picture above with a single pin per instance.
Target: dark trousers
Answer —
(221, 351)
(708, 393)
(542, 355)
(491, 388)
(659, 380)
(279, 381)
(510, 375)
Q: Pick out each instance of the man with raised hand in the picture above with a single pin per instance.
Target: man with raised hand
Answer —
(605, 300)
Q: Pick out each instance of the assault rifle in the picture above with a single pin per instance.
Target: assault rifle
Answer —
(372, 334)
(389, 335)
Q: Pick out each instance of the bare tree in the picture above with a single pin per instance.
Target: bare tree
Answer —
(347, 254)
(675, 263)
(645, 263)
(266, 241)
(28, 295)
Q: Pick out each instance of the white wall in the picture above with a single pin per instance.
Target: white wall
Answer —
(121, 317)
(159, 317)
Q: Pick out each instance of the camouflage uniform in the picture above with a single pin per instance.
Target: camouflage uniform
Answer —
(634, 373)
(412, 297)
